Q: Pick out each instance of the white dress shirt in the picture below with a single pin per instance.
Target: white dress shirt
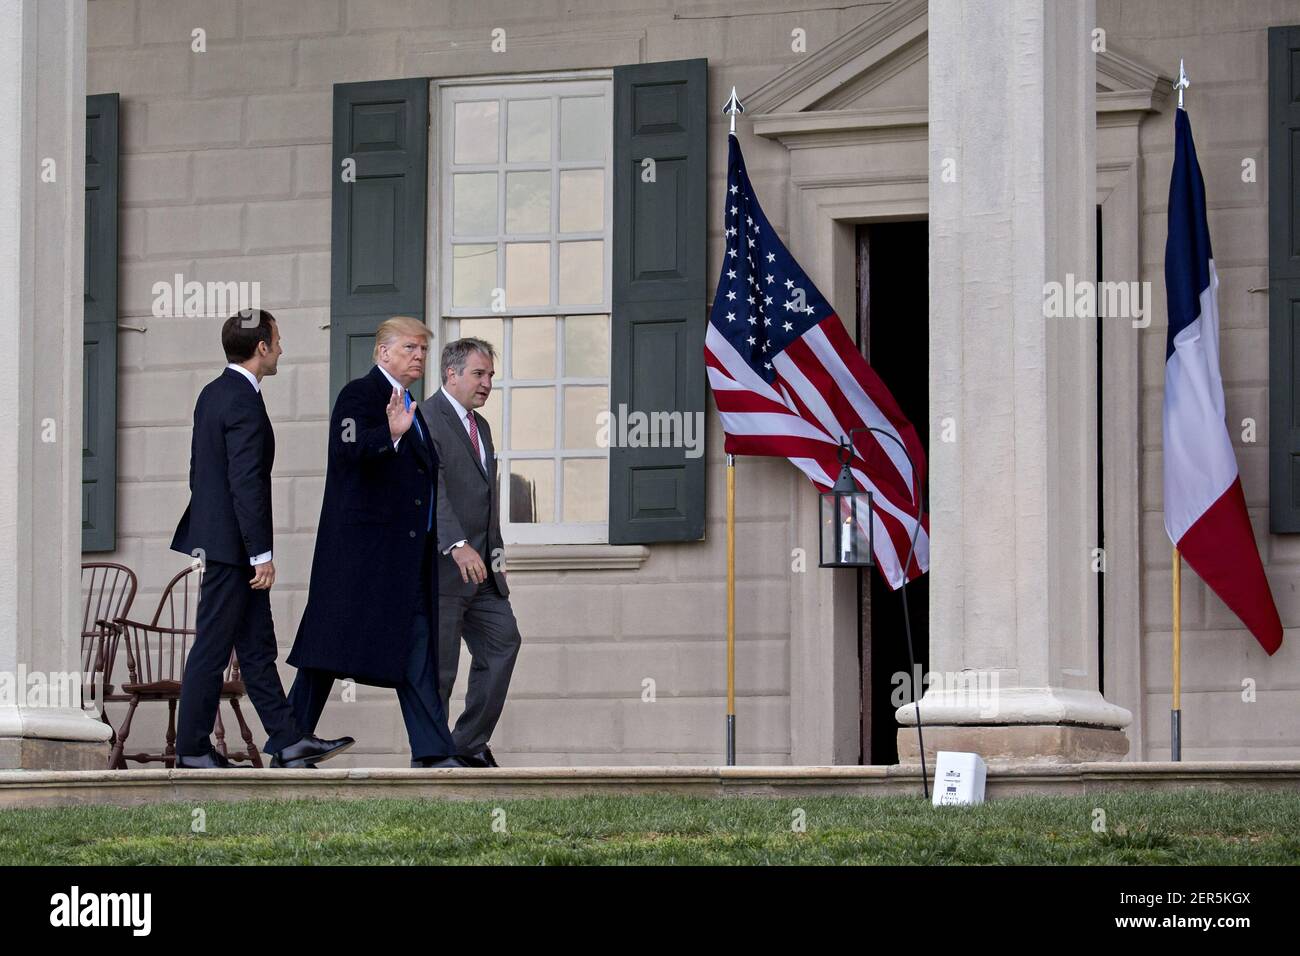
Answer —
(463, 414)
(252, 379)
(396, 384)
(265, 556)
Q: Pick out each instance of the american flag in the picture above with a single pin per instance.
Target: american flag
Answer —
(789, 382)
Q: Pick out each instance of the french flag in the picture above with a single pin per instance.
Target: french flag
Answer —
(1205, 510)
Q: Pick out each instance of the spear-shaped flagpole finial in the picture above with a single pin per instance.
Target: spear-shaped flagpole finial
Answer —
(732, 107)
(1182, 84)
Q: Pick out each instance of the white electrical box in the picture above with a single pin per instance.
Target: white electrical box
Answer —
(958, 779)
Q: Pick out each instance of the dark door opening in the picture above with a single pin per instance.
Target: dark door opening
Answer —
(894, 336)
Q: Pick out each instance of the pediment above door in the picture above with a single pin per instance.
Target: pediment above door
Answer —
(874, 77)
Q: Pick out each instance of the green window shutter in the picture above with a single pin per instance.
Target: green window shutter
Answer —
(99, 337)
(1284, 277)
(659, 310)
(377, 238)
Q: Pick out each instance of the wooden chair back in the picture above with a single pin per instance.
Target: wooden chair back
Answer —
(156, 652)
(108, 591)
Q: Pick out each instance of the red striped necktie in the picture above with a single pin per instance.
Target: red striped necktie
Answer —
(473, 435)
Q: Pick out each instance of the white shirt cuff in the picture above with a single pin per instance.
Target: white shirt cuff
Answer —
(262, 558)
(456, 544)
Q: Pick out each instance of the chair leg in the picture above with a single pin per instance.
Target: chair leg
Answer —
(112, 735)
(169, 753)
(247, 734)
(220, 733)
(116, 760)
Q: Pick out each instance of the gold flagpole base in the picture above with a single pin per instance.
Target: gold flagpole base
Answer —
(731, 610)
(1176, 712)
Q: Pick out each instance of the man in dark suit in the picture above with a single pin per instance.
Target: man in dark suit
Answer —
(370, 608)
(473, 596)
(227, 525)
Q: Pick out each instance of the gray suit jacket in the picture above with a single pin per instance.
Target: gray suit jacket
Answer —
(469, 504)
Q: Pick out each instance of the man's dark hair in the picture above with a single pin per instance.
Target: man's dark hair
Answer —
(456, 354)
(242, 332)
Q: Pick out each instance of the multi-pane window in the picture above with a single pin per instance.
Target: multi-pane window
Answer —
(524, 229)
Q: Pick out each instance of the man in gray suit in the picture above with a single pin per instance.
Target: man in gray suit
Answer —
(473, 597)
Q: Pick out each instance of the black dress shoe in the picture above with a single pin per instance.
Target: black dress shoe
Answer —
(483, 758)
(310, 751)
(212, 760)
(431, 762)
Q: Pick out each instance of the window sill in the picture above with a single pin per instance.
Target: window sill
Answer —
(575, 557)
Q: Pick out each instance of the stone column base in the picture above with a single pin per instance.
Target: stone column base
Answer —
(1019, 743)
(37, 753)
(52, 738)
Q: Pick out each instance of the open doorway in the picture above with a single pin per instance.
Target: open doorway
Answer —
(893, 333)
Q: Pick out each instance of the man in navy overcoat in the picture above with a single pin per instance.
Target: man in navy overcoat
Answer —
(371, 613)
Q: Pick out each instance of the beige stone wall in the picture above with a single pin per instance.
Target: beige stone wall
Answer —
(226, 176)
(1225, 49)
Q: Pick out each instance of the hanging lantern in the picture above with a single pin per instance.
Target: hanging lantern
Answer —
(844, 541)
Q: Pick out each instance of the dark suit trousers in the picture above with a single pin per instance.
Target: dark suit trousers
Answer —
(487, 623)
(232, 616)
(422, 711)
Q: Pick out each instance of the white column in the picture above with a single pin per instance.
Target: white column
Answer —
(1013, 429)
(42, 212)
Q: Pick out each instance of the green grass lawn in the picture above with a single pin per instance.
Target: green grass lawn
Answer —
(1140, 828)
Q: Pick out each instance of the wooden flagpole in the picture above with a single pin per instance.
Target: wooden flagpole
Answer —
(1176, 710)
(731, 108)
(731, 610)
(1176, 714)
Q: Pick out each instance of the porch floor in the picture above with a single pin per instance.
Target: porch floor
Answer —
(39, 788)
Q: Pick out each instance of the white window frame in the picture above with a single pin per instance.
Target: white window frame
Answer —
(443, 95)
(448, 95)
(557, 532)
